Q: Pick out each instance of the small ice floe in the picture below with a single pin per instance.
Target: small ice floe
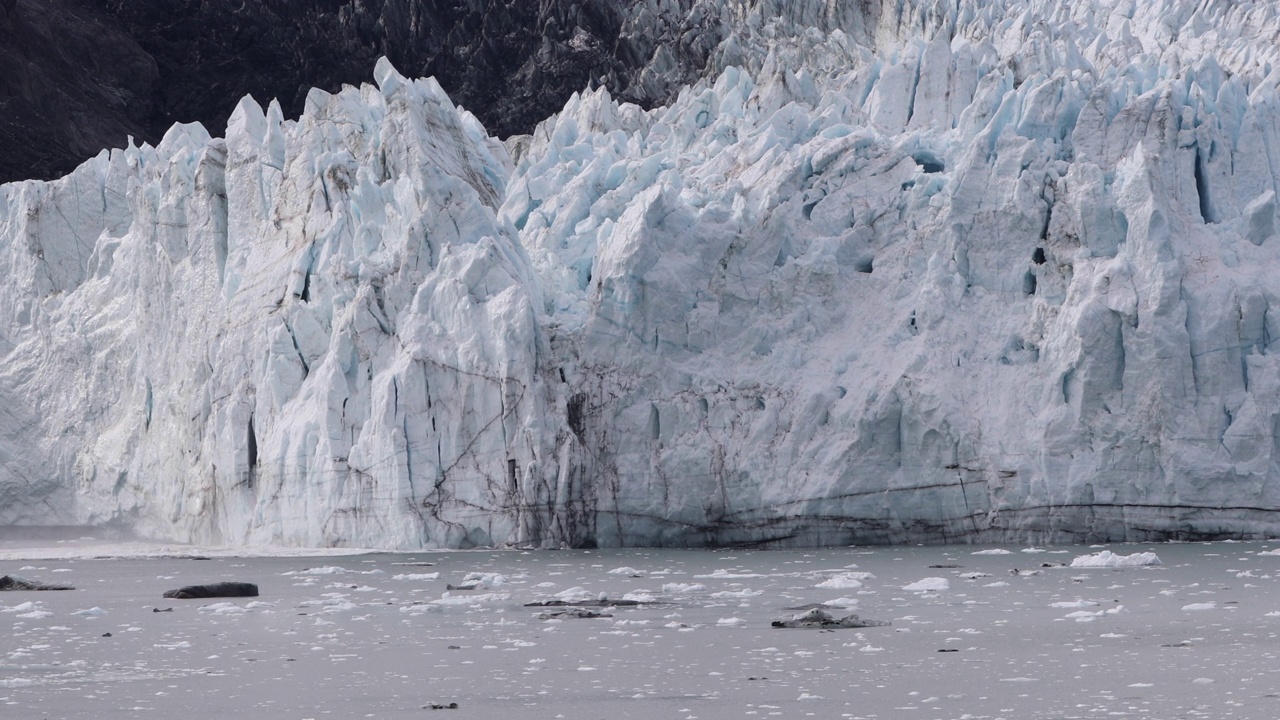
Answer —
(822, 620)
(91, 612)
(722, 574)
(28, 610)
(1023, 573)
(1201, 606)
(1270, 552)
(628, 571)
(173, 646)
(929, 584)
(416, 576)
(730, 622)
(580, 597)
(974, 575)
(1032, 550)
(640, 596)
(419, 608)
(843, 581)
(331, 603)
(223, 608)
(1108, 559)
(681, 588)
(739, 594)
(997, 584)
(325, 570)
(448, 599)
(1075, 604)
(480, 581)
(1090, 616)
(806, 697)
(993, 551)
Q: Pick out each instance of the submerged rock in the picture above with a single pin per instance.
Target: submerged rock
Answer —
(573, 613)
(9, 582)
(221, 589)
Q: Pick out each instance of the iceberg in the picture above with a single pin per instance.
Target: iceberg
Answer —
(986, 272)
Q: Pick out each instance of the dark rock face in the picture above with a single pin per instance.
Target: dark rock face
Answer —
(212, 590)
(72, 82)
(77, 76)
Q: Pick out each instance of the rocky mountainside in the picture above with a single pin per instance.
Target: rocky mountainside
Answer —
(78, 76)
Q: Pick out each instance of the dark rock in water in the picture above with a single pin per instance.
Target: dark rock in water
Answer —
(822, 620)
(9, 582)
(573, 613)
(212, 590)
(586, 603)
(440, 706)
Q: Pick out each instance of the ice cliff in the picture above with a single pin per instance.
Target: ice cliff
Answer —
(883, 272)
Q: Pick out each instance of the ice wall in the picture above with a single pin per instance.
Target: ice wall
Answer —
(888, 272)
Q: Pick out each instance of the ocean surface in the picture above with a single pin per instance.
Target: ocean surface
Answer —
(1012, 632)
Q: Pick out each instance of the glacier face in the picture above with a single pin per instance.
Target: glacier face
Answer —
(888, 272)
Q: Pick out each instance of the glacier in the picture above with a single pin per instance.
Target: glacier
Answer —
(900, 271)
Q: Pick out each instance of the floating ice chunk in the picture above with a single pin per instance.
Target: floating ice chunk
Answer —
(1108, 559)
(223, 608)
(730, 622)
(449, 599)
(806, 697)
(640, 596)
(744, 593)
(626, 571)
(1201, 606)
(1275, 552)
(722, 574)
(579, 594)
(486, 580)
(173, 646)
(929, 584)
(993, 551)
(91, 612)
(974, 575)
(1075, 604)
(325, 570)
(416, 576)
(680, 588)
(843, 581)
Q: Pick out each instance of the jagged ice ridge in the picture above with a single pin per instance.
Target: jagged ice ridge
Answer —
(889, 272)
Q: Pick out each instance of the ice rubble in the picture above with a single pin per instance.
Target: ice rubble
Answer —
(910, 271)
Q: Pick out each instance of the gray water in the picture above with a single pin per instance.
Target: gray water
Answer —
(367, 636)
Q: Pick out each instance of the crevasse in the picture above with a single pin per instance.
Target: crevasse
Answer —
(886, 273)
